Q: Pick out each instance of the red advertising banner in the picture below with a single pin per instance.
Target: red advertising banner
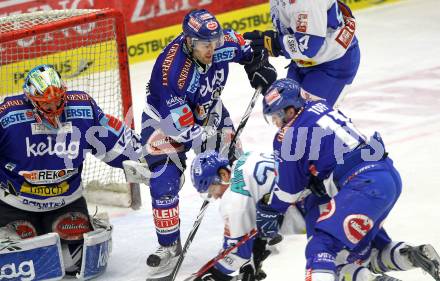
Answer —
(140, 15)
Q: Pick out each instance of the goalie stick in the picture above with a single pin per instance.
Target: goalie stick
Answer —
(231, 158)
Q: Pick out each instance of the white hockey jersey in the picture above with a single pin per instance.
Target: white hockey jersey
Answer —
(252, 176)
(313, 31)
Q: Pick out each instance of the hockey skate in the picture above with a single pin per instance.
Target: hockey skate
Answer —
(425, 257)
(164, 258)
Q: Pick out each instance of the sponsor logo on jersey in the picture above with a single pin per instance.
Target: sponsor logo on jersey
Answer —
(78, 112)
(166, 65)
(9, 104)
(184, 74)
(44, 205)
(45, 190)
(346, 34)
(202, 110)
(225, 54)
(182, 116)
(47, 176)
(301, 23)
(195, 82)
(292, 44)
(16, 117)
(212, 25)
(51, 147)
(25, 271)
(159, 143)
(215, 85)
(174, 101)
(357, 226)
(77, 97)
(194, 24)
(72, 226)
(112, 124)
(327, 210)
(23, 228)
(41, 129)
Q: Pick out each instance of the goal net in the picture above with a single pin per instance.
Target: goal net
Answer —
(88, 48)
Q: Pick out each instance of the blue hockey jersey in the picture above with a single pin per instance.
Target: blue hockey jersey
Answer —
(40, 168)
(182, 94)
(313, 143)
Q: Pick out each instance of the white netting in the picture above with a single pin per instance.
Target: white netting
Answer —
(86, 55)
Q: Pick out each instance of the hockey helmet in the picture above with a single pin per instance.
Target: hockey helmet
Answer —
(202, 28)
(281, 94)
(204, 170)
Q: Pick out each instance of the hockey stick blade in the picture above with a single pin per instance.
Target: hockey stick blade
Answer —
(223, 254)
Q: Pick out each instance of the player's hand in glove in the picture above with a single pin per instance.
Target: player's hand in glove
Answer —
(268, 220)
(317, 186)
(268, 40)
(260, 72)
(247, 272)
(213, 274)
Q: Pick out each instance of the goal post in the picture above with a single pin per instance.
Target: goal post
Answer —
(89, 49)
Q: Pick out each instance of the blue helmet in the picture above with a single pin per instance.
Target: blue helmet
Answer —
(281, 94)
(202, 25)
(204, 169)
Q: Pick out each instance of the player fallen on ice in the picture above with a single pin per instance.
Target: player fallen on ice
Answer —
(240, 188)
(45, 133)
(361, 185)
(184, 111)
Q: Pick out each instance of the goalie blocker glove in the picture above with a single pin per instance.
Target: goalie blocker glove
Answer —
(259, 71)
(264, 40)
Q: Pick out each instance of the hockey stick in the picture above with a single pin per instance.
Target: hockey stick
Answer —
(173, 274)
(243, 121)
(222, 254)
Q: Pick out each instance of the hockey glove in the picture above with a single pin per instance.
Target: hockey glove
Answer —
(261, 40)
(268, 219)
(260, 72)
(317, 186)
(213, 274)
(247, 272)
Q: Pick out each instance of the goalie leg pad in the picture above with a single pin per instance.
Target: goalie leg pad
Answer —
(37, 258)
(96, 251)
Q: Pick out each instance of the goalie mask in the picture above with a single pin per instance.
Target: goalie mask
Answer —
(47, 93)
